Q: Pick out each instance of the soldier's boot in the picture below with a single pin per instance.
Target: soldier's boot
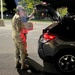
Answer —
(24, 66)
(18, 65)
(25, 49)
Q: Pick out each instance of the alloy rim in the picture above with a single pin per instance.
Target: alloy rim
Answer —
(67, 63)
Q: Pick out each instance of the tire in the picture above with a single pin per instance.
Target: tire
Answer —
(65, 62)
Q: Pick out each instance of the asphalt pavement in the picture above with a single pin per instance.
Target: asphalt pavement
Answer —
(7, 63)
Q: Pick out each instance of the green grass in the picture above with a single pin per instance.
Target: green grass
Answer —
(32, 20)
(40, 21)
(8, 19)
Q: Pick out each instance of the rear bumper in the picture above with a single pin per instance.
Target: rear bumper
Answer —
(45, 52)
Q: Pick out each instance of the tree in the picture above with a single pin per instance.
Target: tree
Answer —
(29, 5)
(63, 11)
(4, 4)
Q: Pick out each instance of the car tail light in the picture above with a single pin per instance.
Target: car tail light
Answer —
(49, 36)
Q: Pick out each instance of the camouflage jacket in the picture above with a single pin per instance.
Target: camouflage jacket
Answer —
(16, 28)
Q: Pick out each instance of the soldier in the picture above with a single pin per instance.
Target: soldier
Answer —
(20, 44)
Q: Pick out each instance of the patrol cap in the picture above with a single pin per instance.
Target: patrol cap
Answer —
(20, 7)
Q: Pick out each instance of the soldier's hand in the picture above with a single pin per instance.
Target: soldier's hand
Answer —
(34, 10)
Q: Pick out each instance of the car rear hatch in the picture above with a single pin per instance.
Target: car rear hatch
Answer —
(65, 27)
(64, 30)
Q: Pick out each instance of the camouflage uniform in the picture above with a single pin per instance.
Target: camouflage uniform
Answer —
(20, 52)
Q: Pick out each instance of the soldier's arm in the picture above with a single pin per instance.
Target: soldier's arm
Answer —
(32, 14)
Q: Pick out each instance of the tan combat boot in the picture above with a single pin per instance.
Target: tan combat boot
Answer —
(24, 66)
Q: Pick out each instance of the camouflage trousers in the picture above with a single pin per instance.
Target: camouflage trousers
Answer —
(20, 51)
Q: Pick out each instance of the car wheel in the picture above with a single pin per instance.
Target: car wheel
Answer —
(66, 63)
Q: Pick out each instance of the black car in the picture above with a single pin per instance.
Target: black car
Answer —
(56, 44)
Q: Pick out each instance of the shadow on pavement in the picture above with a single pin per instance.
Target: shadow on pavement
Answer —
(35, 69)
(21, 72)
